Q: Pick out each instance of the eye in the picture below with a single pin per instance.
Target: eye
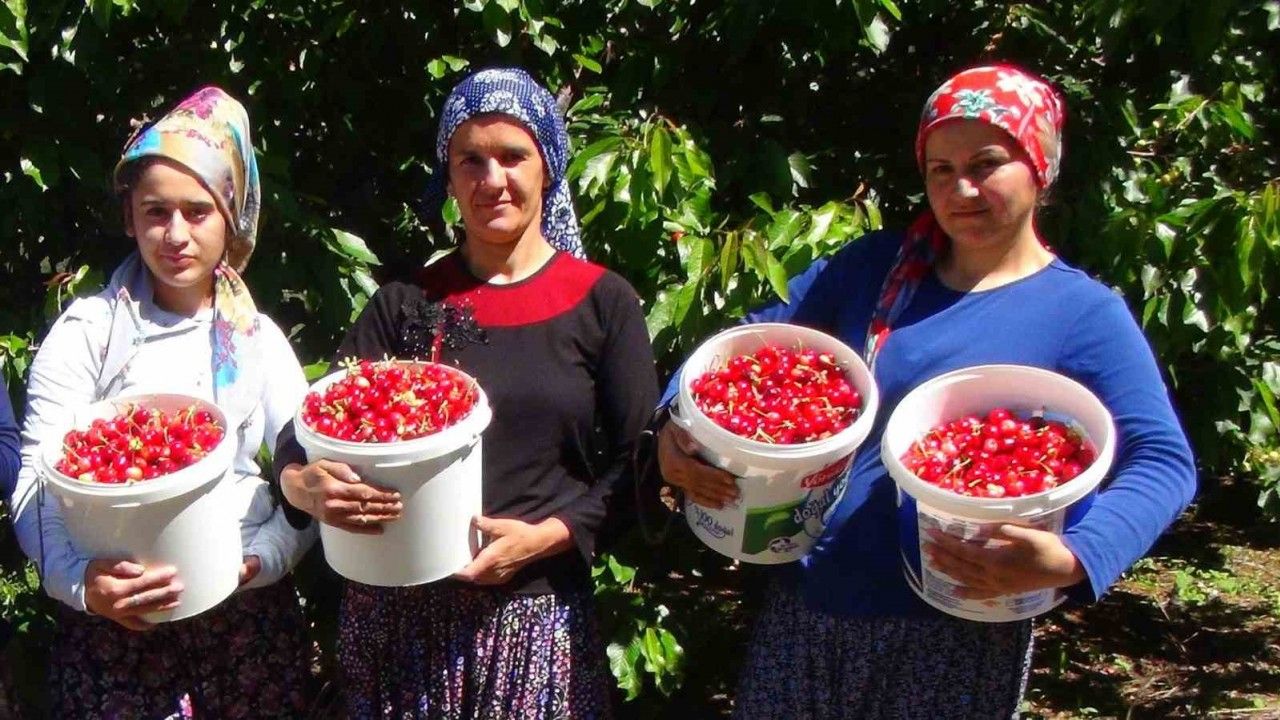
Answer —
(938, 170)
(156, 212)
(196, 215)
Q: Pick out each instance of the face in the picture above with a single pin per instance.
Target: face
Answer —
(181, 234)
(980, 183)
(496, 174)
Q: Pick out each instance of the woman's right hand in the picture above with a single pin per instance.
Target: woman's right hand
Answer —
(705, 485)
(122, 591)
(335, 495)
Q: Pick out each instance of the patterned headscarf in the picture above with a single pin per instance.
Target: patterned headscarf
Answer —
(1021, 104)
(512, 92)
(208, 134)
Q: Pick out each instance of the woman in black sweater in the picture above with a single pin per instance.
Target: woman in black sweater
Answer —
(560, 347)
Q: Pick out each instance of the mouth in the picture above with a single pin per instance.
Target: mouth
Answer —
(178, 260)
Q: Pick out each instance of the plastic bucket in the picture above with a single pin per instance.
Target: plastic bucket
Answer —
(922, 506)
(439, 480)
(186, 519)
(785, 490)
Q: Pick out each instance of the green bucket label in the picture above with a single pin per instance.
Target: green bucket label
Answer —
(766, 527)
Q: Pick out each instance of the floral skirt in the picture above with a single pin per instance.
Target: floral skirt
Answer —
(448, 652)
(806, 665)
(247, 658)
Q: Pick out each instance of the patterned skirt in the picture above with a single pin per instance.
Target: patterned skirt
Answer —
(247, 658)
(448, 652)
(806, 665)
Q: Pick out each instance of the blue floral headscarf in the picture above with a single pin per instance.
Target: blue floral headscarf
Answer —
(512, 92)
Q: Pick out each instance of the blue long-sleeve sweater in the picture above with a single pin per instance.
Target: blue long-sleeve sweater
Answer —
(1059, 319)
(10, 445)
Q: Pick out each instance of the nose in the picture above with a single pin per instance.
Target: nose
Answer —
(493, 175)
(178, 231)
(967, 187)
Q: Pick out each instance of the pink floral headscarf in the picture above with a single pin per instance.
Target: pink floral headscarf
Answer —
(1021, 104)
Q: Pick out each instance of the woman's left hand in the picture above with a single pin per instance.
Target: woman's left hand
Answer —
(250, 568)
(1016, 560)
(512, 544)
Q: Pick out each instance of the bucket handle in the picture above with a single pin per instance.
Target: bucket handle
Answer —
(682, 423)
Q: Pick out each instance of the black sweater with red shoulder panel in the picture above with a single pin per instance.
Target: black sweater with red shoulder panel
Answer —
(565, 361)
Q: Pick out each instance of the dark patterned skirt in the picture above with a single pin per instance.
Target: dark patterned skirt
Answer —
(448, 652)
(246, 658)
(806, 665)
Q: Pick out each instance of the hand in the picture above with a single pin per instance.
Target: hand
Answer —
(250, 568)
(512, 544)
(121, 591)
(705, 485)
(1019, 559)
(335, 495)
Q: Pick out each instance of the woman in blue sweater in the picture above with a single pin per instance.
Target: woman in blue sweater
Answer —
(970, 283)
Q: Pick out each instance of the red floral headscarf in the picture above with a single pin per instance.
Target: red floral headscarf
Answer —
(1021, 104)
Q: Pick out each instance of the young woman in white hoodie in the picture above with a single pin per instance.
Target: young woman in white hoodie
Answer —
(175, 317)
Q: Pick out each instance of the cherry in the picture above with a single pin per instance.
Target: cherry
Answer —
(779, 395)
(140, 443)
(386, 402)
(999, 455)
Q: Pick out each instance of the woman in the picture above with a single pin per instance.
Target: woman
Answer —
(970, 283)
(560, 347)
(175, 317)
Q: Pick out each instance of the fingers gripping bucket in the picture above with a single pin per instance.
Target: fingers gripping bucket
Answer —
(439, 480)
(923, 507)
(785, 490)
(187, 519)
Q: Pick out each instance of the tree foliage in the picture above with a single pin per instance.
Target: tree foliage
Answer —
(720, 148)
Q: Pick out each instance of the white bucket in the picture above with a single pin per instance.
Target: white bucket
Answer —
(923, 506)
(185, 519)
(438, 477)
(785, 490)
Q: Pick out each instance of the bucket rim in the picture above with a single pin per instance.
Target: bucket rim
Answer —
(859, 374)
(995, 509)
(208, 469)
(449, 438)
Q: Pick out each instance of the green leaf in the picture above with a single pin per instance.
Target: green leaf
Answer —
(801, 169)
(354, 247)
(13, 28)
(660, 158)
(892, 8)
(655, 661)
(877, 34)
(100, 11)
(316, 370)
(701, 255)
(585, 155)
(728, 261)
(1237, 120)
(498, 23)
(782, 231)
(1268, 402)
(685, 298)
(777, 277)
(588, 63)
(622, 663)
(30, 170)
(450, 211)
(762, 201)
(658, 318)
